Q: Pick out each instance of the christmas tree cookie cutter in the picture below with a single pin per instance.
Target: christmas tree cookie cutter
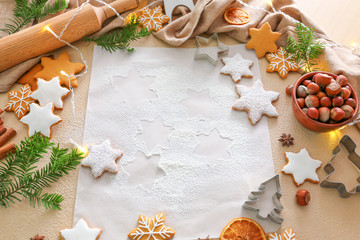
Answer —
(350, 146)
(222, 49)
(274, 215)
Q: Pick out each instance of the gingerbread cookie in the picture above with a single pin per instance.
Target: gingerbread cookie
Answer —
(20, 101)
(53, 68)
(302, 167)
(237, 67)
(281, 62)
(81, 231)
(40, 119)
(256, 101)
(102, 158)
(151, 229)
(50, 91)
(153, 19)
(288, 234)
(263, 40)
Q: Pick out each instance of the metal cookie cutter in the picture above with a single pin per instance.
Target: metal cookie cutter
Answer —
(350, 146)
(212, 58)
(274, 215)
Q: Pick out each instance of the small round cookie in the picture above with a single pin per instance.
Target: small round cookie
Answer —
(237, 67)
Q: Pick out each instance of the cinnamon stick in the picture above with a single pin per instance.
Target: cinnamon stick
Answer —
(2, 129)
(1, 111)
(5, 150)
(7, 136)
(1, 122)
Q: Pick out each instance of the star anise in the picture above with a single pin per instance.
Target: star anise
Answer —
(38, 237)
(286, 139)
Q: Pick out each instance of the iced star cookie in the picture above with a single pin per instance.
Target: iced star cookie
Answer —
(281, 62)
(53, 68)
(102, 158)
(288, 234)
(256, 101)
(263, 40)
(20, 101)
(153, 19)
(302, 167)
(237, 67)
(50, 91)
(41, 119)
(151, 229)
(81, 231)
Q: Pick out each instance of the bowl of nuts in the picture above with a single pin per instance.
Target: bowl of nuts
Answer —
(324, 101)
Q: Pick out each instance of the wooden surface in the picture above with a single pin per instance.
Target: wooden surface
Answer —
(326, 217)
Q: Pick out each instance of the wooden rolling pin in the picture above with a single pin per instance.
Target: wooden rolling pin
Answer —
(34, 41)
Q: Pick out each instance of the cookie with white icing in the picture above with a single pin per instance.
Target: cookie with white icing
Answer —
(102, 158)
(81, 231)
(281, 62)
(237, 67)
(302, 167)
(50, 91)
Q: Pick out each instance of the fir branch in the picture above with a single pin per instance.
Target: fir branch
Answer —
(24, 12)
(306, 50)
(20, 179)
(120, 39)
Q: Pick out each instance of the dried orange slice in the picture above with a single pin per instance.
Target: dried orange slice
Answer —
(244, 229)
(236, 16)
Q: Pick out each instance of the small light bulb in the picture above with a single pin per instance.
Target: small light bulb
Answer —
(269, 2)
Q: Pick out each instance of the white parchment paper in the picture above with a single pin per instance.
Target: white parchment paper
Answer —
(197, 158)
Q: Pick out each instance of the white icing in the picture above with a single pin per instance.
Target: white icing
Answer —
(288, 234)
(50, 91)
(20, 101)
(302, 166)
(81, 231)
(153, 19)
(281, 62)
(256, 100)
(237, 67)
(40, 119)
(102, 158)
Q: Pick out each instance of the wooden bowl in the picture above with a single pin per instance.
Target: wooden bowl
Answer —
(312, 124)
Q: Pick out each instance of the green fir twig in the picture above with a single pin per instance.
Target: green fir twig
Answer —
(306, 50)
(121, 39)
(20, 179)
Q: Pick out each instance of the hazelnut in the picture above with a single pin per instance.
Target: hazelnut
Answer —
(313, 88)
(337, 101)
(349, 111)
(333, 81)
(325, 102)
(301, 102)
(306, 82)
(337, 114)
(301, 91)
(311, 101)
(324, 114)
(345, 93)
(302, 197)
(289, 89)
(313, 113)
(351, 102)
(305, 110)
(320, 95)
(342, 80)
(333, 89)
(322, 79)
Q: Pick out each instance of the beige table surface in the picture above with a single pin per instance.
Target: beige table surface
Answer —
(326, 217)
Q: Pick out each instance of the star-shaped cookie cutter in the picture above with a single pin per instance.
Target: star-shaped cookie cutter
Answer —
(350, 146)
(222, 48)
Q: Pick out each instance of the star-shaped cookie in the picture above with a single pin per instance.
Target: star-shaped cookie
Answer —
(153, 19)
(81, 231)
(256, 101)
(50, 91)
(281, 62)
(151, 229)
(40, 119)
(302, 167)
(102, 158)
(19, 101)
(237, 67)
(263, 40)
(53, 68)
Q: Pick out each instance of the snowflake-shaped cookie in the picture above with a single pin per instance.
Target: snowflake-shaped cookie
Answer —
(288, 234)
(281, 62)
(81, 231)
(237, 67)
(153, 19)
(151, 229)
(102, 158)
(256, 101)
(302, 167)
(19, 101)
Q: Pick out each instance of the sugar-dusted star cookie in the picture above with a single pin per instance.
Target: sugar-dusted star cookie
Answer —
(256, 101)
(53, 68)
(151, 229)
(263, 40)
(288, 234)
(302, 167)
(281, 62)
(20, 101)
(102, 158)
(153, 19)
(40, 119)
(237, 67)
(81, 231)
(50, 91)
